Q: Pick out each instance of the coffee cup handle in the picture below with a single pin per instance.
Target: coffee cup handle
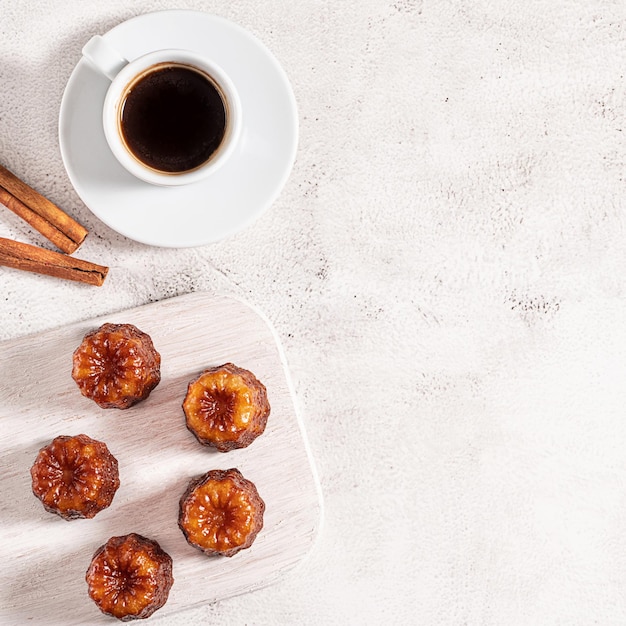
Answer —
(103, 57)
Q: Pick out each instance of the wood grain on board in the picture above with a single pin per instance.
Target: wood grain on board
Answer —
(45, 558)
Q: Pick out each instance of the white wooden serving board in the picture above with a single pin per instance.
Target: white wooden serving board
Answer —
(44, 558)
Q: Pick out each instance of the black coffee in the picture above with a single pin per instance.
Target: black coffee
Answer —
(173, 118)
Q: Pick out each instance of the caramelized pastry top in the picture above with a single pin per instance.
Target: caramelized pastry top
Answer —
(75, 476)
(221, 512)
(130, 577)
(226, 407)
(116, 366)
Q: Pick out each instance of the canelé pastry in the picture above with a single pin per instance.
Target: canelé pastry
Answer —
(226, 407)
(116, 366)
(75, 476)
(221, 512)
(130, 577)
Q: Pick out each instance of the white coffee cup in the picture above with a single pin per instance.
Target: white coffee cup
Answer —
(124, 74)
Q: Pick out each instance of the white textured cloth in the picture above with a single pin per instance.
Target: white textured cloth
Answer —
(446, 269)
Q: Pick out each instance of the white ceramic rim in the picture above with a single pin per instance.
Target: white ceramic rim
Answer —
(108, 197)
(118, 89)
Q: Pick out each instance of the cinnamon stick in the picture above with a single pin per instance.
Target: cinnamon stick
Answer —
(46, 217)
(23, 256)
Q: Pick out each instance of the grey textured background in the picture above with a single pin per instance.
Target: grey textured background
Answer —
(445, 269)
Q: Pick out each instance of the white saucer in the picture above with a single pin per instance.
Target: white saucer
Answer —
(229, 200)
